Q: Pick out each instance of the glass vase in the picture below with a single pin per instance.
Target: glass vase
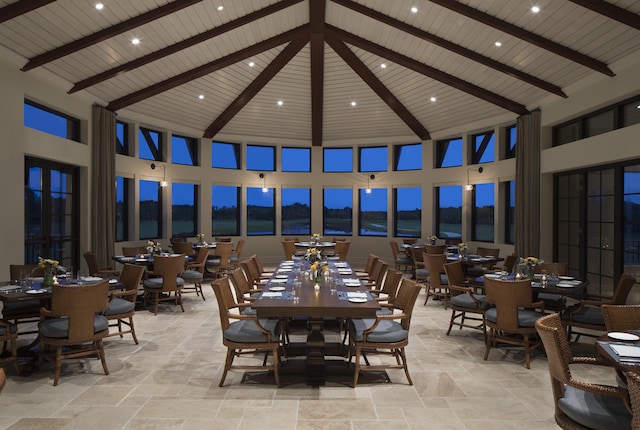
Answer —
(48, 276)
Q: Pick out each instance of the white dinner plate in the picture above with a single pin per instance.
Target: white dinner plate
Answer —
(493, 276)
(36, 291)
(566, 278)
(282, 276)
(113, 281)
(358, 299)
(564, 285)
(352, 283)
(618, 335)
(277, 288)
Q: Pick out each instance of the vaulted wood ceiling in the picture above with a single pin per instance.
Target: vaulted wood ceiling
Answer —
(318, 56)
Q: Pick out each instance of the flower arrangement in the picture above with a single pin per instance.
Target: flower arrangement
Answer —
(49, 267)
(529, 263)
(153, 247)
(316, 271)
(432, 239)
(315, 238)
(313, 255)
(200, 237)
(462, 249)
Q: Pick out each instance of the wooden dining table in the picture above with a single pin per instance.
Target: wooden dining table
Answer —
(621, 349)
(316, 306)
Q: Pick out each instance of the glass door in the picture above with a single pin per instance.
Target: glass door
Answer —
(50, 211)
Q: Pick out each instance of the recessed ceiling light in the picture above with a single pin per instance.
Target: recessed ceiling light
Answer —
(251, 64)
(280, 102)
(383, 66)
(433, 99)
(201, 96)
(414, 10)
(498, 44)
(135, 40)
(220, 7)
(99, 6)
(353, 103)
(535, 9)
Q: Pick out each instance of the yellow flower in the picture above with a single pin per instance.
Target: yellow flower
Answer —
(433, 237)
(315, 265)
(462, 245)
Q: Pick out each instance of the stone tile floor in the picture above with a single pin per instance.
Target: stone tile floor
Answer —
(170, 381)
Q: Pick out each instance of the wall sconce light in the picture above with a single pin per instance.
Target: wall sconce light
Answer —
(264, 182)
(164, 182)
(469, 186)
(369, 179)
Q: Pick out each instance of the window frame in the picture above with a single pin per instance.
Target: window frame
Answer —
(396, 230)
(192, 150)
(73, 125)
(362, 149)
(196, 210)
(510, 152)
(478, 152)
(272, 192)
(159, 213)
(474, 214)
(397, 150)
(238, 211)
(368, 193)
(260, 169)
(156, 153)
(325, 209)
(442, 146)
(282, 212)
(237, 151)
(126, 208)
(123, 148)
(325, 158)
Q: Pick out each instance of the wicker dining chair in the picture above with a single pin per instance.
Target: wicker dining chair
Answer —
(434, 249)
(552, 302)
(9, 339)
(633, 384)
(193, 276)
(95, 269)
(401, 260)
(463, 301)
(420, 273)
(245, 292)
(218, 264)
(74, 325)
(342, 250)
(122, 304)
(621, 317)
(133, 251)
(167, 286)
(252, 271)
(246, 334)
(579, 404)
(234, 259)
(437, 283)
(365, 272)
(185, 248)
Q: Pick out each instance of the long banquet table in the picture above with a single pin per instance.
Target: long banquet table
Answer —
(317, 306)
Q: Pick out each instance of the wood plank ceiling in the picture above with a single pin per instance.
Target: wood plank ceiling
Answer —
(321, 71)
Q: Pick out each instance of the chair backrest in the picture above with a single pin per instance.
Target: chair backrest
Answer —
(240, 282)
(633, 384)
(177, 239)
(289, 247)
(238, 250)
(226, 301)
(130, 277)
(370, 260)
(452, 240)
(338, 239)
(224, 250)
(342, 249)
(509, 263)
(251, 270)
(394, 248)
(3, 379)
(185, 248)
(416, 254)
(508, 297)
(556, 346)
(169, 267)
(223, 239)
(258, 263)
(391, 283)
(625, 283)
(92, 262)
(434, 249)
(201, 260)
(20, 271)
(621, 317)
(80, 304)
(132, 251)
(488, 252)
(554, 268)
(434, 263)
(406, 299)
(376, 268)
(455, 276)
(408, 241)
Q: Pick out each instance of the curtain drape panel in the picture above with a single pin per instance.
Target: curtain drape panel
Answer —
(527, 210)
(103, 185)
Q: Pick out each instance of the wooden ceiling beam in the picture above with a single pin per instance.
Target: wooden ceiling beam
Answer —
(107, 33)
(205, 69)
(176, 47)
(450, 46)
(377, 86)
(254, 87)
(316, 28)
(21, 7)
(526, 35)
(611, 11)
(428, 71)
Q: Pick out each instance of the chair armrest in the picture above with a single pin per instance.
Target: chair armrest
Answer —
(44, 313)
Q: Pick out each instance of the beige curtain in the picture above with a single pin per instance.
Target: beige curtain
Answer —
(527, 209)
(103, 185)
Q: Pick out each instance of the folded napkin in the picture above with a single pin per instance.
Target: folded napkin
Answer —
(278, 281)
(345, 271)
(271, 294)
(285, 269)
(341, 264)
(90, 279)
(10, 288)
(352, 282)
(357, 294)
(626, 350)
(565, 284)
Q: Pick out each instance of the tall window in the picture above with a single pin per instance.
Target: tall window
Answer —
(225, 210)
(296, 159)
(296, 211)
(407, 219)
(338, 160)
(122, 208)
(483, 147)
(150, 210)
(631, 226)
(261, 212)
(510, 208)
(184, 150)
(261, 158)
(50, 121)
(150, 144)
(449, 211)
(225, 155)
(122, 138)
(482, 214)
(372, 218)
(510, 142)
(337, 211)
(407, 157)
(449, 152)
(373, 159)
(184, 209)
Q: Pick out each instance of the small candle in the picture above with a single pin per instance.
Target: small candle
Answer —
(517, 276)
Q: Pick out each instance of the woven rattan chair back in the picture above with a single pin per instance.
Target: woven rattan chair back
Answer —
(552, 268)
(131, 277)
(391, 283)
(621, 317)
(169, 267)
(455, 276)
(342, 249)
(19, 271)
(79, 303)
(132, 251)
(434, 249)
(508, 297)
(185, 248)
(289, 247)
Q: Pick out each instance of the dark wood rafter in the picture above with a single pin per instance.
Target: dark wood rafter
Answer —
(176, 47)
(316, 37)
(377, 86)
(611, 11)
(107, 33)
(205, 69)
(526, 35)
(256, 85)
(428, 71)
(21, 7)
(443, 43)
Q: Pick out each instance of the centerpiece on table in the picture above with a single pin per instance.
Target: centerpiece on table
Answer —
(313, 254)
(153, 247)
(463, 249)
(316, 271)
(200, 238)
(432, 239)
(315, 239)
(49, 266)
(529, 263)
